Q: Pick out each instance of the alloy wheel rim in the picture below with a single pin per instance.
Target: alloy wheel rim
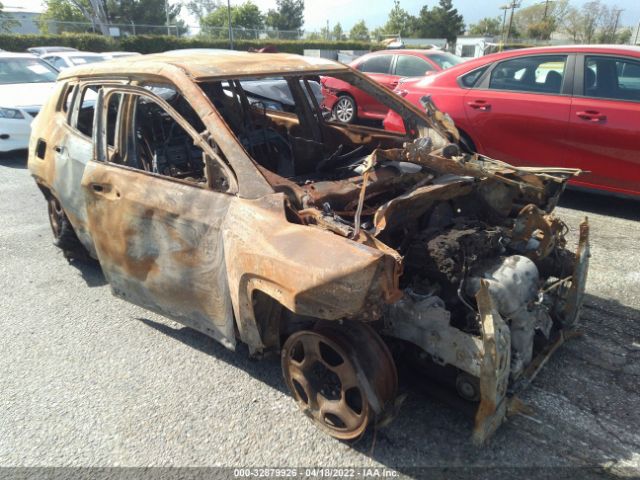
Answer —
(324, 382)
(344, 110)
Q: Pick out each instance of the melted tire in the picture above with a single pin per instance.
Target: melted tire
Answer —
(64, 236)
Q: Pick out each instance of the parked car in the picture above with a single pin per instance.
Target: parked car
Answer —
(575, 106)
(386, 67)
(39, 51)
(112, 55)
(25, 85)
(331, 245)
(64, 60)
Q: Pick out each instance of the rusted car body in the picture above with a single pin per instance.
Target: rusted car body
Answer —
(345, 249)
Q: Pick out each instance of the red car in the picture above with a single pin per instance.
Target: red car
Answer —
(575, 106)
(386, 67)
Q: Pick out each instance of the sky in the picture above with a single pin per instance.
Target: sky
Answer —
(375, 12)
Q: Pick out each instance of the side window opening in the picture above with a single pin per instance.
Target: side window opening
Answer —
(163, 145)
(543, 74)
(153, 140)
(67, 97)
(86, 111)
(113, 109)
(470, 79)
(612, 78)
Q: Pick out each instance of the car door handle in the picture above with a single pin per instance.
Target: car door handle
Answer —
(591, 116)
(59, 148)
(481, 105)
(101, 187)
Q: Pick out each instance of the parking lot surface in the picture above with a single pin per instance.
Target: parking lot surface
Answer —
(89, 380)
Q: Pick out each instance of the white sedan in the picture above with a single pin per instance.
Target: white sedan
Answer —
(25, 84)
(64, 60)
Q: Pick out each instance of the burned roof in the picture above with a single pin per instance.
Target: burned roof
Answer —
(209, 63)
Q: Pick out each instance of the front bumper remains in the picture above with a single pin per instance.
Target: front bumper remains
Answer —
(497, 397)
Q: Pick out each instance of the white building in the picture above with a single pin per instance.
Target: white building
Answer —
(26, 21)
(473, 47)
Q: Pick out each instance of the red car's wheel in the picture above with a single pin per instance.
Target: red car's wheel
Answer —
(344, 109)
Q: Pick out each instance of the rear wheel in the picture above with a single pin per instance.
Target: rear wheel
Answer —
(345, 109)
(340, 375)
(64, 237)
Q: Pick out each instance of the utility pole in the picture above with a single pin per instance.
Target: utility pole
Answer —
(513, 5)
(635, 41)
(546, 9)
(504, 21)
(615, 26)
(230, 28)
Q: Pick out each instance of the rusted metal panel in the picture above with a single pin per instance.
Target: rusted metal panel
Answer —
(494, 371)
(202, 64)
(308, 270)
(160, 245)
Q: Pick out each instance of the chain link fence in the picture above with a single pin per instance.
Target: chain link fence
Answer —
(181, 29)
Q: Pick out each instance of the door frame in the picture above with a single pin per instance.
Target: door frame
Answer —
(183, 278)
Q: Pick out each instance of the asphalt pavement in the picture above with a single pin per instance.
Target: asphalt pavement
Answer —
(89, 380)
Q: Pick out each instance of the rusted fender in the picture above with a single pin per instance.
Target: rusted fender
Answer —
(309, 270)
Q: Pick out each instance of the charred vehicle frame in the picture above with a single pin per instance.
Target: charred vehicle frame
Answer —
(344, 249)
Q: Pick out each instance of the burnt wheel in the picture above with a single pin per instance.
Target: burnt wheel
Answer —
(341, 377)
(64, 237)
(56, 217)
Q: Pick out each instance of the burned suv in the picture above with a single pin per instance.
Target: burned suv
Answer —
(346, 249)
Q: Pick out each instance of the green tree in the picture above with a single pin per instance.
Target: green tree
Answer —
(202, 8)
(624, 36)
(145, 12)
(486, 26)
(325, 33)
(243, 17)
(594, 22)
(442, 21)
(359, 32)
(541, 19)
(288, 15)
(59, 11)
(400, 21)
(378, 33)
(337, 33)
(120, 12)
